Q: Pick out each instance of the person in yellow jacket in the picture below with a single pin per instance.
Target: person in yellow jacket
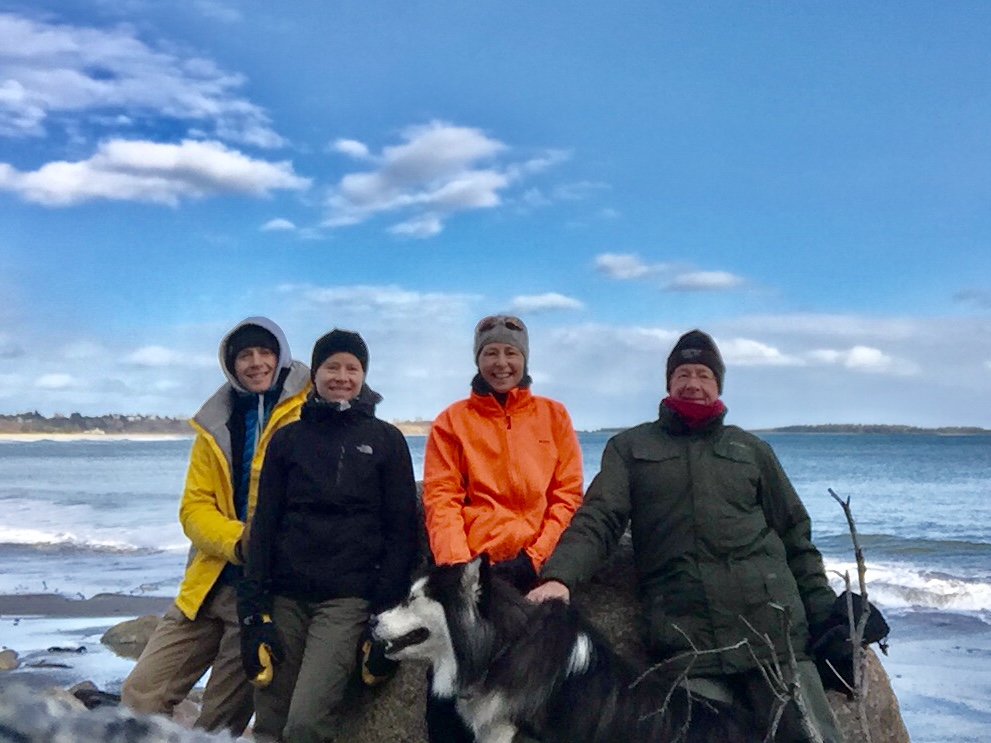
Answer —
(502, 475)
(265, 390)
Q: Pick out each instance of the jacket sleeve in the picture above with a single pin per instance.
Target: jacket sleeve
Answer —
(211, 528)
(399, 526)
(786, 514)
(564, 494)
(597, 525)
(268, 510)
(444, 493)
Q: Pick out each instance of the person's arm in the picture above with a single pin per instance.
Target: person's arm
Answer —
(787, 516)
(254, 596)
(208, 528)
(597, 525)
(444, 493)
(399, 527)
(564, 495)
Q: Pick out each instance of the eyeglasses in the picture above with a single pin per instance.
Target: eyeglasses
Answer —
(493, 321)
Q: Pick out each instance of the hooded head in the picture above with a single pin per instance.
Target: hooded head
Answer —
(253, 332)
(696, 347)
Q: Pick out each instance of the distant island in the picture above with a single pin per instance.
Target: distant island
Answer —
(849, 428)
(119, 424)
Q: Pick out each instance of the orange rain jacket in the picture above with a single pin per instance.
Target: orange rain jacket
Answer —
(500, 479)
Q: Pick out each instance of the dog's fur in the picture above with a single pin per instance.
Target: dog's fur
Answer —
(514, 665)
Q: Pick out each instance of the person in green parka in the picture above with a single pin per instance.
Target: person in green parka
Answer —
(721, 542)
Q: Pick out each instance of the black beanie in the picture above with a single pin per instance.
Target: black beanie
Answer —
(335, 341)
(696, 347)
(249, 336)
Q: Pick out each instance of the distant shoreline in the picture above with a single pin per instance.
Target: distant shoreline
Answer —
(848, 429)
(35, 427)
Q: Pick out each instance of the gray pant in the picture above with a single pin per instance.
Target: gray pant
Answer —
(178, 654)
(751, 690)
(321, 645)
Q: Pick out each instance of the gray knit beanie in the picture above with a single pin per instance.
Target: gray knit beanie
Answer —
(502, 329)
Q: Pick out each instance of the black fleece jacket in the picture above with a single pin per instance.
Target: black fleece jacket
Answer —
(336, 512)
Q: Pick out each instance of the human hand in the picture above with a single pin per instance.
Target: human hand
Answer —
(241, 545)
(261, 648)
(552, 589)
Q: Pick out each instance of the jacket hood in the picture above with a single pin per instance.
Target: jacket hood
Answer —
(285, 355)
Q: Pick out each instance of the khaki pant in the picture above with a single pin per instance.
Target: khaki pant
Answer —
(751, 690)
(178, 654)
(320, 642)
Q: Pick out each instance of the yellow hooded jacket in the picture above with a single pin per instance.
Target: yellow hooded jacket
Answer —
(207, 511)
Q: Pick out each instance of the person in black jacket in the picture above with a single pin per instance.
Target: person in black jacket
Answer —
(333, 540)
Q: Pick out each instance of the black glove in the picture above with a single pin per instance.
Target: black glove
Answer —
(261, 648)
(831, 647)
(518, 571)
(375, 667)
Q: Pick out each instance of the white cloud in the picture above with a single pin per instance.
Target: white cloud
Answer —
(159, 356)
(219, 11)
(55, 382)
(704, 281)
(426, 225)
(436, 172)
(747, 352)
(977, 297)
(542, 302)
(278, 225)
(351, 148)
(624, 266)
(129, 170)
(864, 359)
(83, 350)
(50, 68)
(9, 349)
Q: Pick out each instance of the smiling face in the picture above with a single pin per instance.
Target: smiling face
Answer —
(501, 365)
(254, 368)
(694, 383)
(339, 377)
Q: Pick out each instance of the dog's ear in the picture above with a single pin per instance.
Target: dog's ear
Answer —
(475, 581)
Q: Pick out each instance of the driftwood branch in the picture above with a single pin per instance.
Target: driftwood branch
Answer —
(785, 687)
(857, 625)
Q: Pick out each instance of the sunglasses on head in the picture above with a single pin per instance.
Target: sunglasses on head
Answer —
(493, 321)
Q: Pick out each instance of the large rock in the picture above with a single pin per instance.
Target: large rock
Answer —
(8, 660)
(394, 712)
(128, 639)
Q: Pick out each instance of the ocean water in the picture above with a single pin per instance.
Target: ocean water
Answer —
(82, 517)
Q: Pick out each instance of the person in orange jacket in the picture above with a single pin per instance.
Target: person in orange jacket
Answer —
(502, 475)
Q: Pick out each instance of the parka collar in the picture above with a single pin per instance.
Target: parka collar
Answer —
(671, 422)
(317, 409)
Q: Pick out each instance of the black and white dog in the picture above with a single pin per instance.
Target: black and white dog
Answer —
(514, 665)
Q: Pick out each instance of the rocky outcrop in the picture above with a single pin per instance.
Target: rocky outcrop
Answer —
(8, 660)
(394, 712)
(129, 638)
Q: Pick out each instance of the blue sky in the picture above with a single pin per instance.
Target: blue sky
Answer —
(809, 182)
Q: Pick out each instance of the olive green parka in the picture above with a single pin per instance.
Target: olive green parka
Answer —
(721, 540)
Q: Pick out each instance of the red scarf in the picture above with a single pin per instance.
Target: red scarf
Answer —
(694, 414)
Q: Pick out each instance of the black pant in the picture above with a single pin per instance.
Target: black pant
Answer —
(444, 724)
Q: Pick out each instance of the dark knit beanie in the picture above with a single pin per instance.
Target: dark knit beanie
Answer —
(336, 341)
(696, 347)
(502, 329)
(249, 336)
